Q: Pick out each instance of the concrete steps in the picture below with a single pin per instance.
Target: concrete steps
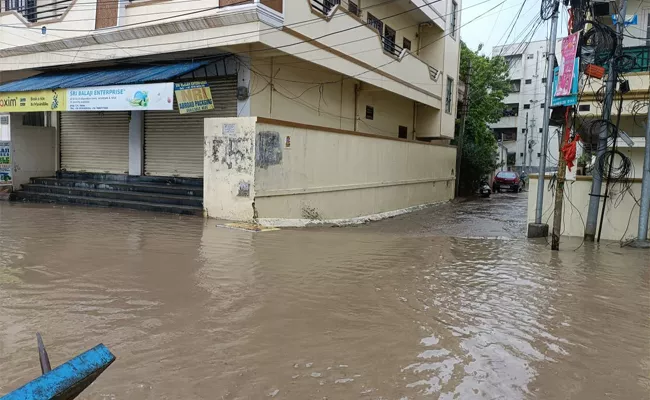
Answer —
(160, 194)
(170, 189)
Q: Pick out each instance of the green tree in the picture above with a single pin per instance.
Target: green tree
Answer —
(489, 85)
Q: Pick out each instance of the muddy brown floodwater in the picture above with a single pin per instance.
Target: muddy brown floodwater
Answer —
(446, 303)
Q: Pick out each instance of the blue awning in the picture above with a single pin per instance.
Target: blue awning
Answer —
(103, 77)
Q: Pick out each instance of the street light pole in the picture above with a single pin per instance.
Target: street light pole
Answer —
(538, 229)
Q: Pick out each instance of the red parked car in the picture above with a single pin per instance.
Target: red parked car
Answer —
(507, 180)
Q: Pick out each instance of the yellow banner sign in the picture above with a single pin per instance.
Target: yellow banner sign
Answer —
(40, 100)
(193, 97)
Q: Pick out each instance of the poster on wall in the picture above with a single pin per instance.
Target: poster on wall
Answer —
(151, 96)
(40, 100)
(193, 97)
(5, 164)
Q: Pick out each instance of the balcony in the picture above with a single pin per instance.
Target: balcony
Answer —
(34, 10)
(505, 122)
(374, 47)
(635, 59)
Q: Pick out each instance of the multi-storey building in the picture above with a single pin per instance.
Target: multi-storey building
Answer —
(519, 132)
(374, 68)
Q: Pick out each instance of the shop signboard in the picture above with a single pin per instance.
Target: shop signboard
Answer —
(193, 97)
(39, 100)
(572, 98)
(147, 96)
(5, 163)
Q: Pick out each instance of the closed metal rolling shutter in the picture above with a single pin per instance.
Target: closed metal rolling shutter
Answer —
(95, 141)
(173, 143)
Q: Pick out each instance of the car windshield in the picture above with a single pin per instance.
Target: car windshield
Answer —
(507, 175)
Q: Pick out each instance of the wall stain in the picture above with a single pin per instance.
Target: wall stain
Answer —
(269, 149)
(232, 152)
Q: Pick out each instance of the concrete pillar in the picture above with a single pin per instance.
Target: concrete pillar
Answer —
(136, 143)
(54, 123)
(229, 168)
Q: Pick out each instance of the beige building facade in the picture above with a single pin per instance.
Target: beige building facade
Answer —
(386, 71)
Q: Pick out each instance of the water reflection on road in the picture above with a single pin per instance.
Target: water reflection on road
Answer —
(446, 303)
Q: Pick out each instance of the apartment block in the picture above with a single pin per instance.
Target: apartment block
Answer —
(385, 71)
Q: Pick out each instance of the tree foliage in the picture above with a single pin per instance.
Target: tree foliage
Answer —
(489, 85)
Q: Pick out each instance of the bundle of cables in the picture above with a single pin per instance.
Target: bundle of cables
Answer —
(549, 7)
(619, 171)
(590, 130)
(639, 111)
(598, 44)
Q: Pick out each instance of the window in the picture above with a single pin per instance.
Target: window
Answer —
(529, 81)
(543, 80)
(370, 112)
(521, 154)
(515, 85)
(453, 21)
(526, 106)
(449, 95)
(541, 130)
(406, 44)
(539, 155)
(523, 130)
(584, 107)
(507, 174)
(354, 8)
(541, 105)
(28, 8)
(511, 110)
(35, 118)
(375, 23)
(530, 56)
(513, 62)
(403, 132)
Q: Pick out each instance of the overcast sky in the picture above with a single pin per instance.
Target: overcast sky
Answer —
(480, 25)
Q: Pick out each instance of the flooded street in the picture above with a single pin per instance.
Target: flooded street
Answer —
(449, 302)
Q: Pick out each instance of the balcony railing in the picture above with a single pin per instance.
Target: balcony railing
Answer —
(324, 6)
(35, 11)
(390, 46)
(637, 57)
(634, 59)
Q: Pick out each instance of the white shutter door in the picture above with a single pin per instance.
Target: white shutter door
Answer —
(173, 143)
(95, 141)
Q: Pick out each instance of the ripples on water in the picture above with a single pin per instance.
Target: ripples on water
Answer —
(193, 311)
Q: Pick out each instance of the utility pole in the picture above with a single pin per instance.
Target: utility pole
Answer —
(525, 143)
(461, 132)
(559, 191)
(597, 180)
(644, 210)
(538, 229)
